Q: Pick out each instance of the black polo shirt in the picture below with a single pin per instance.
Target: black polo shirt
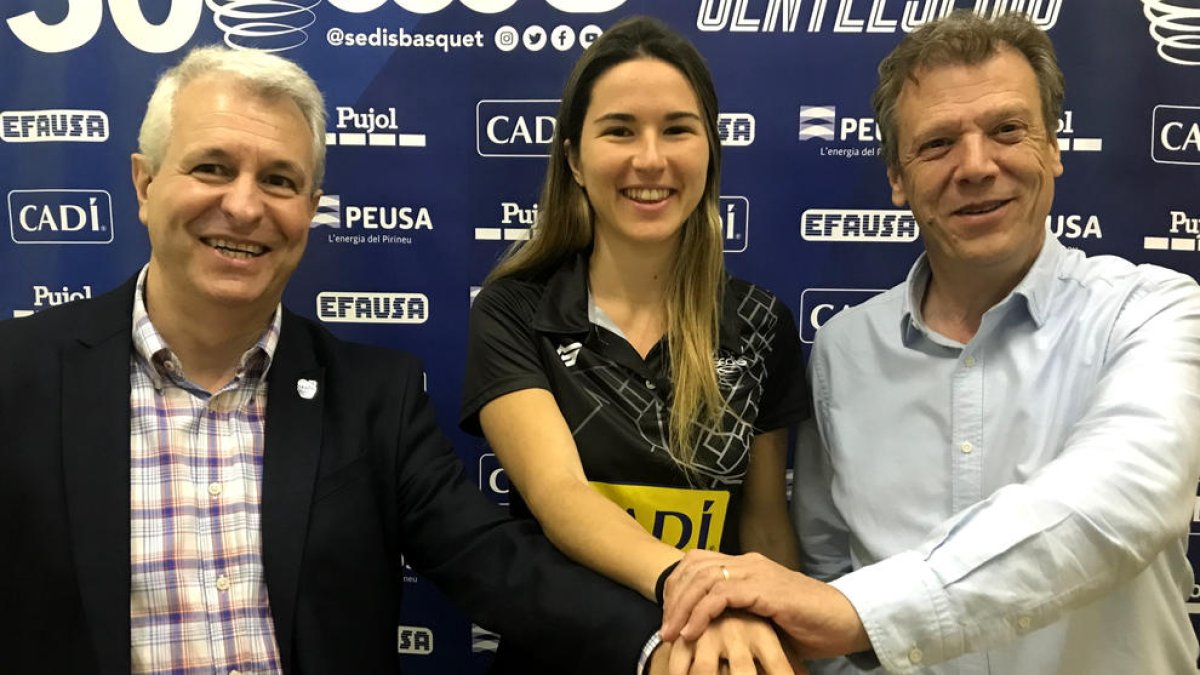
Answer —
(536, 334)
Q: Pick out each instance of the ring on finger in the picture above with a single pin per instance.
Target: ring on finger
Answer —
(725, 572)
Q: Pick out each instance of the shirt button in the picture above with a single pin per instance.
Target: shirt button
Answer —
(969, 361)
(214, 488)
(649, 384)
(1024, 623)
(915, 655)
(222, 583)
(966, 447)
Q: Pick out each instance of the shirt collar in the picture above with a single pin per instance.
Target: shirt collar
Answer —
(164, 365)
(565, 307)
(1035, 287)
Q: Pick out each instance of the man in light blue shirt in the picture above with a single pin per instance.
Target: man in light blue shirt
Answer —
(1008, 443)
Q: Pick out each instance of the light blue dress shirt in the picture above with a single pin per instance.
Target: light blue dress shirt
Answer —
(1019, 504)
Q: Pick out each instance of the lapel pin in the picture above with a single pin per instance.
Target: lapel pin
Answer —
(306, 388)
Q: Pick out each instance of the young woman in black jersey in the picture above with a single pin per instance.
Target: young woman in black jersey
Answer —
(615, 368)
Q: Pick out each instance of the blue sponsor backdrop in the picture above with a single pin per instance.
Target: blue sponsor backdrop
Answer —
(439, 114)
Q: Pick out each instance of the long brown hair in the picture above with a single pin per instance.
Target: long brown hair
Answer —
(695, 283)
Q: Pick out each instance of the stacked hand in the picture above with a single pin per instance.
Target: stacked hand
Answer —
(814, 619)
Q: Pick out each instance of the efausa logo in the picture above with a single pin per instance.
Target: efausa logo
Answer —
(514, 127)
(859, 226)
(735, 130)
(417, 640)
(41, 126)
(351, 307)
(60, 216)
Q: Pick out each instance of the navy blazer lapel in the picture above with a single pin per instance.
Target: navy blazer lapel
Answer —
(95, 438)
(295, 408)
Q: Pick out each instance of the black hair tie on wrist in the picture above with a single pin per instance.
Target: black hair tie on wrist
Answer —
(662, 582)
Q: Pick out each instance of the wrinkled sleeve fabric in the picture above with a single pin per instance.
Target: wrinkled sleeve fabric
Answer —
(1120, 491)
(824, 535)
(502, 354)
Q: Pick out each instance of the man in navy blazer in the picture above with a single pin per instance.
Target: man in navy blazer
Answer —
(197, 480)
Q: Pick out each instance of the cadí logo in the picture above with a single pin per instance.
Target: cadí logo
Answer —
(60, 216)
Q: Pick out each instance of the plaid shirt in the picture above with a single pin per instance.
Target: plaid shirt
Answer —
(199, 599)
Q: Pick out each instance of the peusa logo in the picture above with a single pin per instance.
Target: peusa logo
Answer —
(493, 481)
(514, 128)
(770, 16)
(862, 225)
(351, 307)
(735, 223)
(371, 128)
(1074, 226)
(330, 214)
(246, 24)
(416, 640)
(735, 129)
(818, 305)
(60, 216)
(1176, 134)
(40, 126)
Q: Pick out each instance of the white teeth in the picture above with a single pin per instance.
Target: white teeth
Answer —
(646, 194)
(982, 208)
(235, 249)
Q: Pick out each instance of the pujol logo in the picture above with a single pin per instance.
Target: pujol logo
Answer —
(516, 224)
(1069, 142)
(374, 128)
(60, 216)
(1183, 234)
(45, 296)
(40, 126)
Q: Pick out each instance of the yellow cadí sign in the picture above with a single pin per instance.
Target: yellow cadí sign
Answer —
(681, 517)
